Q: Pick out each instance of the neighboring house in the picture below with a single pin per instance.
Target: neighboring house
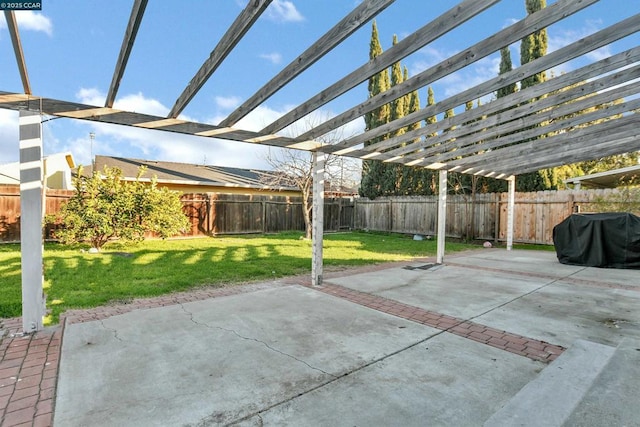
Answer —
(57, 172)
(609, 179)
(193, 178)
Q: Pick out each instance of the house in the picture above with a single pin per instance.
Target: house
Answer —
(195, 178)
(609, 179)
(57, 172)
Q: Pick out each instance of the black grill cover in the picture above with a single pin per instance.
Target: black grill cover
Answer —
(609, 240)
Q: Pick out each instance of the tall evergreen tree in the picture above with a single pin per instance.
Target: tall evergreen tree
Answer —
(431, 100)
(428, 177)
(506, 66)
(373, 172)
(412, 178)
(449, 114)
(534, 46)
(395, 179)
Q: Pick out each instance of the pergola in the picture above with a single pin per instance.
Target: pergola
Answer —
(498, 139)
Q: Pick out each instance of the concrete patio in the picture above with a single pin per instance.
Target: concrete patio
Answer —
(490, 338)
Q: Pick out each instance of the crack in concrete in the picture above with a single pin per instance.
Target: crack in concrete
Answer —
(114, 331)
(255, 340)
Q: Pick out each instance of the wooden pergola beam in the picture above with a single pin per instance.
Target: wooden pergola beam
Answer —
(549, 151)
(505, 37)
(17, 49)
(430, 32)
(74, 110)
(546, 123)
(551, 112)
(135, 19)
(343, 29)
(482, 117)
(229, 40)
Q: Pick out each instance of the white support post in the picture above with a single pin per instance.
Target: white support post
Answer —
(510, 211)
(442, 216)
(31, 212)
(317, 224)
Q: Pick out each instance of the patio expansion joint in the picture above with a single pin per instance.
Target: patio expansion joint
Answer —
(330, 381)
(270, 347)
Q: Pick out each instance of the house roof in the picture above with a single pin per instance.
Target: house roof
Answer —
(192, 174)
(608, 179)
(506, 137)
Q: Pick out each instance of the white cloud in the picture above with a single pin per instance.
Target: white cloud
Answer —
(284, 11)
(428, 56)
(133, 102)
(31, 21)
(227, 102)
(9, 137)
(274, 58)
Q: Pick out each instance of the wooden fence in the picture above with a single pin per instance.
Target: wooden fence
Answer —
(208, 213)
(484, 218)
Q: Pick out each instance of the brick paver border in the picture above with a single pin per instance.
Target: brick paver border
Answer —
(28, 375)
(528, 347)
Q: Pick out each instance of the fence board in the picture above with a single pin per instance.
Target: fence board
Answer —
(484, 218)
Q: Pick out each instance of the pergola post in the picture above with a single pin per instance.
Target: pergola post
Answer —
(442, 215)
(317, 225)
(31, 210)
(510, 210)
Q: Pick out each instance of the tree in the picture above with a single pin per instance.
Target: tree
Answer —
(412, 178)
(107, 207)
(428, 176)
(395, 182)
(533, 46)
(506, 66)
(373, 172)
(294, 168)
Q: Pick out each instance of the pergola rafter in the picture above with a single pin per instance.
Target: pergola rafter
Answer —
(430, 32)
(585, 114)
(231, 38)
(343, 29)
(484, 48)
(137, 12)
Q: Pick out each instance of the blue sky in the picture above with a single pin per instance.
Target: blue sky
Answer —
(71, 47)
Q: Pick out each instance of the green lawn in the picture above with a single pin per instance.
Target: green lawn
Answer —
(75, 278)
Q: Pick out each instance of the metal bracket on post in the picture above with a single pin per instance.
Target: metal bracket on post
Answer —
(317, 225)
(442, 215)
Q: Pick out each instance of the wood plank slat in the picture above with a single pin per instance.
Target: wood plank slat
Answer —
(359, 16)
(486, 47)
(229, 40)
(137, 12)
(552, 150)
(425, 35)
(578, 48)
(517, 125)
(14, 33)
(509, 106)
